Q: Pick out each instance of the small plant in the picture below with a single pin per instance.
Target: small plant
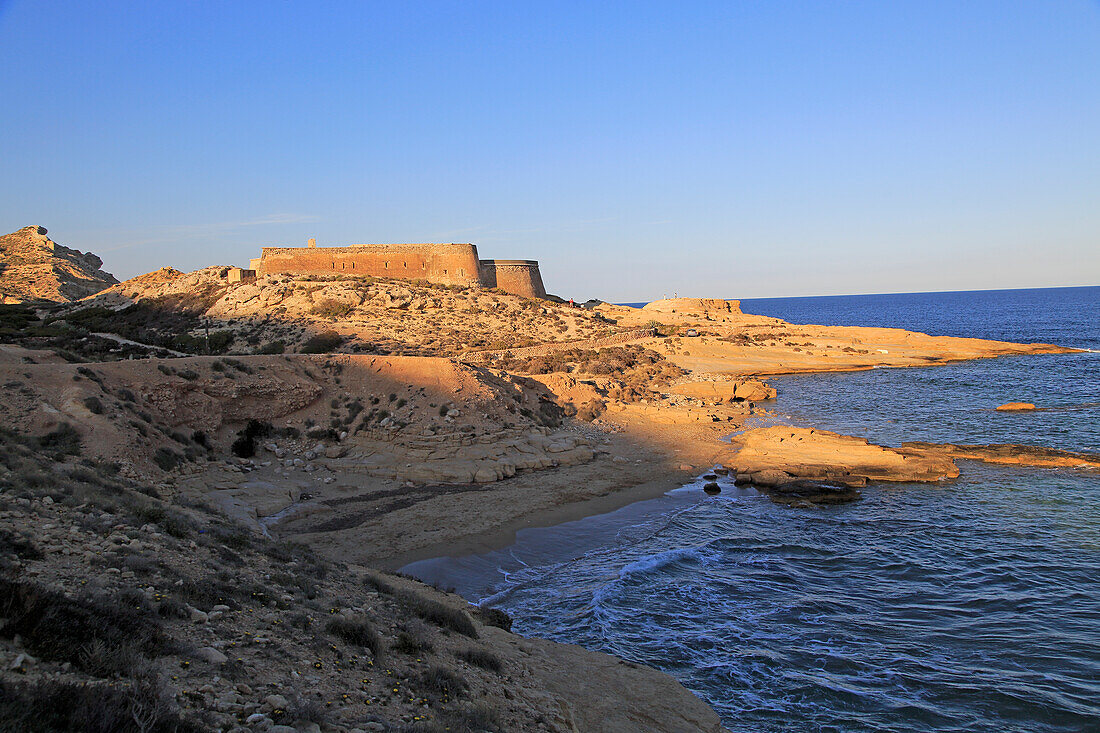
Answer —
(439, 614)
(358, 632)
(411, 644)
(481, 658)
(443, 681)
(332, 309)
(373, 581)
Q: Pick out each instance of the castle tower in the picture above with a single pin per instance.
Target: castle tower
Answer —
(519, 277)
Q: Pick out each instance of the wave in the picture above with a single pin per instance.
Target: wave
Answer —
(659, 561)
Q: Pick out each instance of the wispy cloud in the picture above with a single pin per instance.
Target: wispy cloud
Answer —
(179, 232)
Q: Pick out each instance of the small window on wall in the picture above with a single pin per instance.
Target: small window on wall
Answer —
(387, 265)
(405, 265)
(334, 265)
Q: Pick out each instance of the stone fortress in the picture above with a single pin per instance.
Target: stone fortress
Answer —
(444, 264)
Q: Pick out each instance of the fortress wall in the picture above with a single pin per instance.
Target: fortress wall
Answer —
(447, 264)
(519, 277)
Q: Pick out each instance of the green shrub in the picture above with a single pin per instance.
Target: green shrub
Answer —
(167, 459)
(245, 444)
(322, 343)
(218, 341)
(64, 440)
(272, 347)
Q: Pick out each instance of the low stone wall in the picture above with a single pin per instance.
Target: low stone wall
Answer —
(553, 348)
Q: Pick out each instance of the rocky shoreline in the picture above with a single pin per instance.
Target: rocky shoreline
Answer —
(238, 508)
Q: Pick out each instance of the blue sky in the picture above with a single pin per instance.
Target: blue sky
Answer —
(733, 149)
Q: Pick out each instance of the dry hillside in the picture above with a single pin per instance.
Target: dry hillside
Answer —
(350, 314)
(128, 610)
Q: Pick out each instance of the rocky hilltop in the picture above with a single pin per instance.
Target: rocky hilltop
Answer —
(35, 268)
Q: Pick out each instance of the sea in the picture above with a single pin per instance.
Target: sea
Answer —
(967, 605)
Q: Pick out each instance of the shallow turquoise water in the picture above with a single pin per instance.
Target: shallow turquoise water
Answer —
(972, 605)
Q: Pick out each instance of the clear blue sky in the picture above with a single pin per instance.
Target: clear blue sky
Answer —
(636, 149)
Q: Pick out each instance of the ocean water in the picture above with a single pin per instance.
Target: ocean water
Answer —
(970, 605)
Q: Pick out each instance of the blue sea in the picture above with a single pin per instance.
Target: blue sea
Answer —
(971, 605)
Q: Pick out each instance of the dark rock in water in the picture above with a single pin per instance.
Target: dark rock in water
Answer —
(797, 493)
(721, 471)
(742, 479)
(712, 488)
(709, 477)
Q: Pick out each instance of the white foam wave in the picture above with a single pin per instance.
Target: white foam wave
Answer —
(658, 561)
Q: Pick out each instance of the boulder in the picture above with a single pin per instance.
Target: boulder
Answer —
(814, 492)
(485, 475)
(210, 654)
(754, 390)
(775, 455)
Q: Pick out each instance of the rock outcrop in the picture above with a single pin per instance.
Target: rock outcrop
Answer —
(1010, 454)
(713, 307)
(716, 393)
(772, 457)
(805, 492)
(35, 268)
(1016, 407)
